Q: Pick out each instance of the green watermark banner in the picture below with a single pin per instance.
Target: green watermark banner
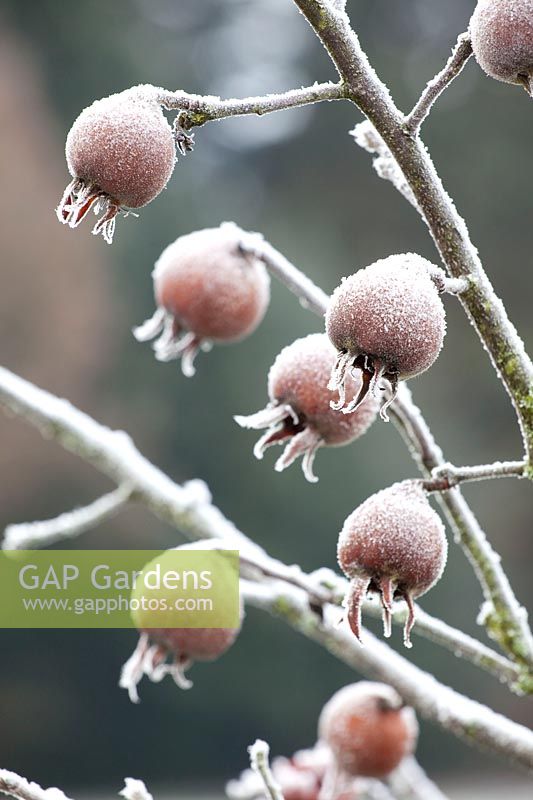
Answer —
(149, 589)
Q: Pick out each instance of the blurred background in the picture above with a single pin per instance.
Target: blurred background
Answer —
(68, 303)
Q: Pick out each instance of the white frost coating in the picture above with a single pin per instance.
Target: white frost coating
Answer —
(247, 786)
(135, 789)
(33, 535)
(367, 137)
(259, 752)
(410, 782)
(18, 787)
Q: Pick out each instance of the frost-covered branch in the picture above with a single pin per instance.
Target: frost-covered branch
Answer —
(505, 620)
(197, 110)
(410, 782)
(435, 630)
(33, 535)
(325, 586)
(458, 59)
(460, 644)
(189, 508)
(259, 754)
(310, 296)
(15, 786)
(465, 718)
(447, 227)
(447, 476)
(21, 789)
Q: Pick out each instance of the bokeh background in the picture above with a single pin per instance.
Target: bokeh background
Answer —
(68, 303)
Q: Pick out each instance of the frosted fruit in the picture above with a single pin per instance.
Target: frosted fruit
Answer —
(299, 413)
(207, 289)
(394, 544)
(120, 152)
(388, 320)
(171, 650)
(502, 40)
(368, 729)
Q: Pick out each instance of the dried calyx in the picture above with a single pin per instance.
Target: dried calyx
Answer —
(299, 413)
(120, 152)
(207, 289)
(388, 321)
(393, 544)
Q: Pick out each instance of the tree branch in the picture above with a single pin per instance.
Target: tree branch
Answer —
(410, 782)
(447, 227)
(325, 586)
(447, 476)
(33, 535)
(458, 59)
(15, 786)
(197, 110)
(259, 753)
(505, 620)
(309, 295)
(460, 644)
(467, 719)
(435, 630)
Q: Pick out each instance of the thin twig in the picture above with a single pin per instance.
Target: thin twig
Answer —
(259, 753)
(33, 535)
(15, 786)
(309, 295)
(191, 511)
(197, 109)
(458, 59)
(447, 476)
